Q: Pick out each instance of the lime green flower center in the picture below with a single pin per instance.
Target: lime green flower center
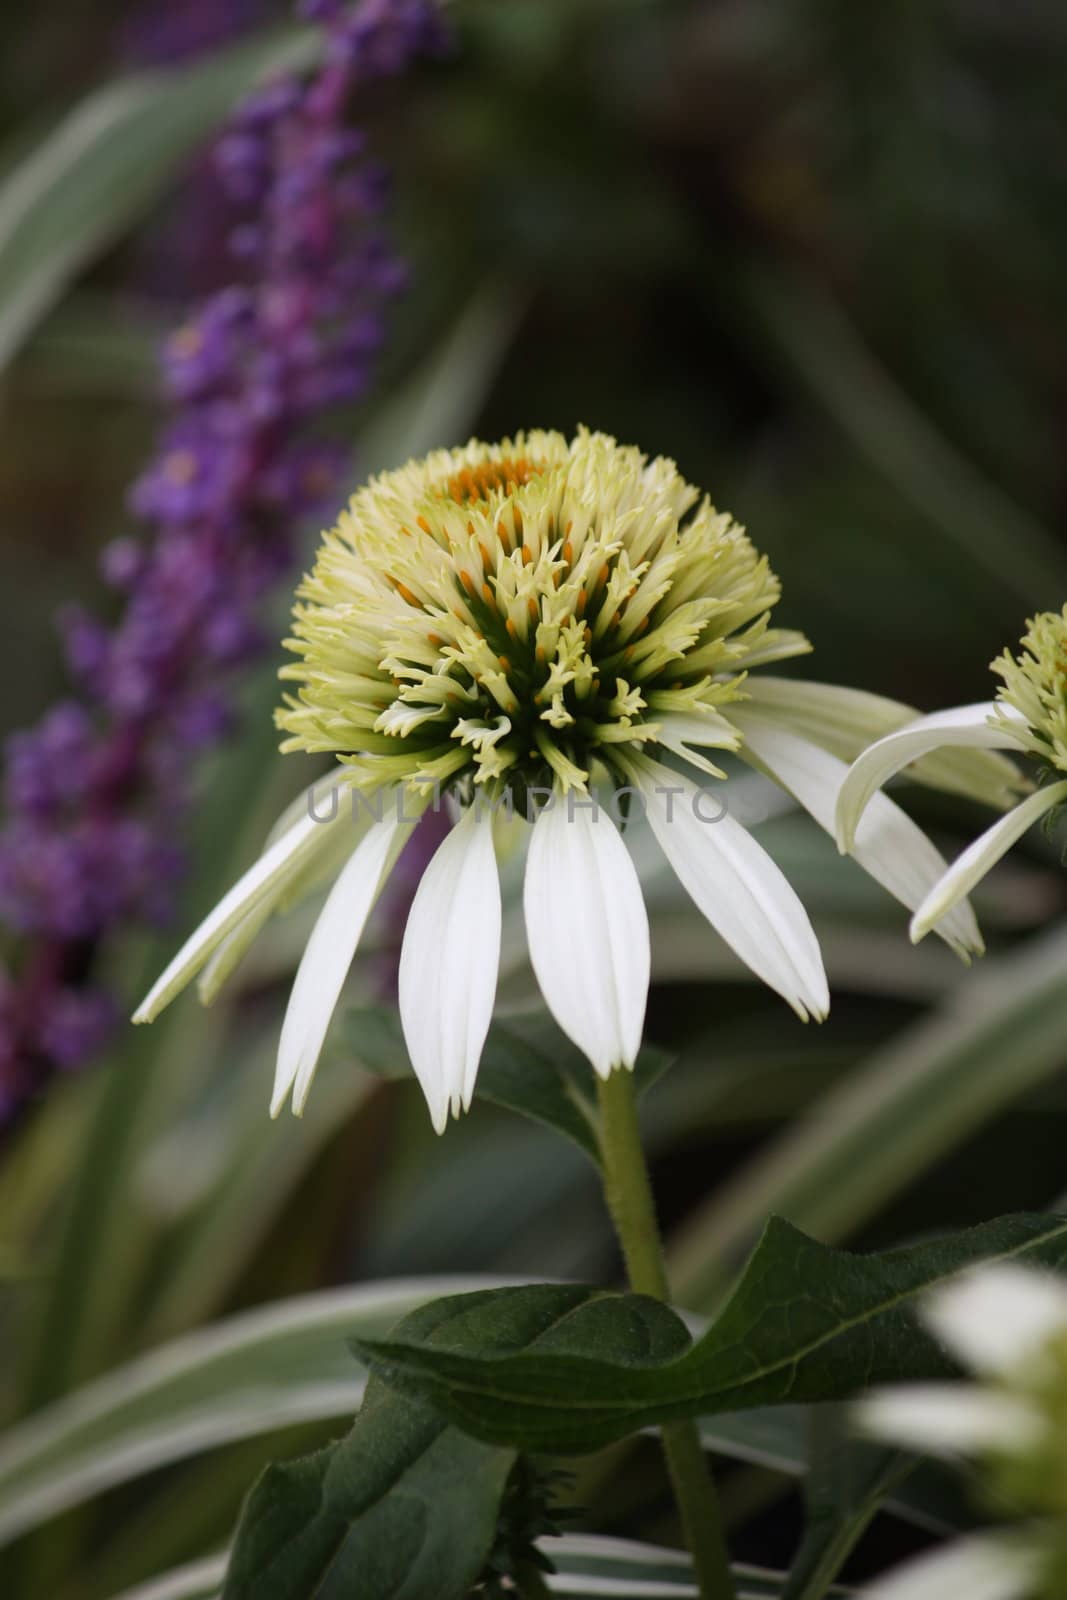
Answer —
(512, 615)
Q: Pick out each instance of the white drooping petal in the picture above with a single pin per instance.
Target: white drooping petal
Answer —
(946, 1419)
(317, 799)
(228, 956)
(340, 831)
(979, 857)
(999, 1318)
(327, 958)
(587, 931)
(273, 866)
(743, 893)
(845, 721)
(888, 844)
(449, 964)
(964, 725)
(982, 1567)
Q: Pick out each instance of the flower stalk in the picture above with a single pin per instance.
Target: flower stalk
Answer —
(628, 1193)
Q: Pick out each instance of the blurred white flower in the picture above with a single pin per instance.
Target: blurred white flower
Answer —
(1009, 1325)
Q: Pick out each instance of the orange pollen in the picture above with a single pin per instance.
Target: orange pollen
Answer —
(589, 640)
(505, 663)
(570, 525)
(487, 560)
(532, 605)
(516, 517)
(567, 551)
(513, 632)
(502, 535)
(424, 525)
(473, 484)
(641, 626)
(579, 610)
(487, 594)
(603, 575)
(527, 555)
(405, 593)
(468, 583)
(434, 639)
(540, 654)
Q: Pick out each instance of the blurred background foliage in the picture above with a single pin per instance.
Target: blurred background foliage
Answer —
(813, 250)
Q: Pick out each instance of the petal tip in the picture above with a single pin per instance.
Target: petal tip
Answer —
(439, 1119)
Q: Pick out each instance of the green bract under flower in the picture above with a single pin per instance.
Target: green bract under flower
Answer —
(1035, 685)
(510, 614)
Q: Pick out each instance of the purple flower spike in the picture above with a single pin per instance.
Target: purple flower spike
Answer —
(96, 793)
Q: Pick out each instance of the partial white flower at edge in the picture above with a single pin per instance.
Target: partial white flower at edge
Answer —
(1028, 717)
(1008, 1324)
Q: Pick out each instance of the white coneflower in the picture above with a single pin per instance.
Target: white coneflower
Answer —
(515, 625)
(1009, 1325)
(1028, 716)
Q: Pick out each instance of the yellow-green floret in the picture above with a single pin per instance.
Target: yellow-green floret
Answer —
(1035, 684)
(512, 614)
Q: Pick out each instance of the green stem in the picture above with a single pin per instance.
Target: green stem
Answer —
(629, 1197)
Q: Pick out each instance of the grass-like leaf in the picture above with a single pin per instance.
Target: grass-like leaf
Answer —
(105, 164)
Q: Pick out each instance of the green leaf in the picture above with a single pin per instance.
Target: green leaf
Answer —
(805, 1323)
(101, 169)
(405, 1504)
(527, 1066)
(849, 1480)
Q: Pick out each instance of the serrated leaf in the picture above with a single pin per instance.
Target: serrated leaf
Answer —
(806, 1323)
(527, 1066)
(406, 1504)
